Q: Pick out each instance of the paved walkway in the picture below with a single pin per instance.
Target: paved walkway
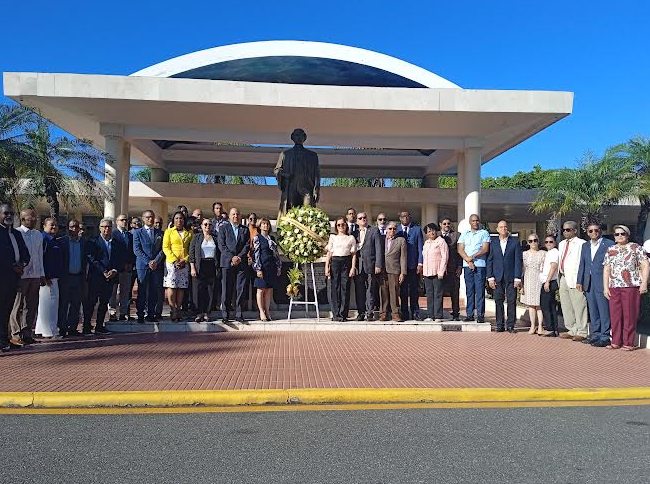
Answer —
(284, 360)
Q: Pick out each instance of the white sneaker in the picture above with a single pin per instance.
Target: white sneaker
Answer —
(428, 320)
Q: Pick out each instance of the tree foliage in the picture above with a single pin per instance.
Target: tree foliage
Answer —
(144, 175)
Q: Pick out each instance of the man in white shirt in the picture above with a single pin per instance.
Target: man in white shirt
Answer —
(351, 217)
(574, 304)
(23, 315)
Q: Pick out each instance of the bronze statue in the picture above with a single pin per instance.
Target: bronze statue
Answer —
(298, 175)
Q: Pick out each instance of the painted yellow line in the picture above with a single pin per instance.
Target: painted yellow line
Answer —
(318, 408)
(220, 398)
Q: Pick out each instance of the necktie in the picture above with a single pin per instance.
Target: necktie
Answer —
(566, 252)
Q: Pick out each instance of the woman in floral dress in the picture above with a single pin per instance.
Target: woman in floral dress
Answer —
(532, 287)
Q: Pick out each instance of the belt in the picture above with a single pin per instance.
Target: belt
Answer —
(208, 258)
(76, 274)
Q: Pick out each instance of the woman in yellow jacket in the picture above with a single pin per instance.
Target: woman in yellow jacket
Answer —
(176, 246)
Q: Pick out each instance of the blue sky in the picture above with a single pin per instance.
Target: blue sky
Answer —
(598, 49)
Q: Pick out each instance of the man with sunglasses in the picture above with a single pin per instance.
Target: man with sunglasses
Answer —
(14, 256)
(574, 304)
(149, 263)
(454, 266)
(590, 282)
(121, 296)
(370, 259)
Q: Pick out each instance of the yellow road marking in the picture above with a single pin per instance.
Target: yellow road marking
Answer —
(319, 408)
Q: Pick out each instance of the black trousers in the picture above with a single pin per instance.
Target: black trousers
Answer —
(70, 297)
(360, 291)
(98, 291)
(340, 285)
(434, 288)
(549, 306)
(408, 290)
(207, 284)
(506, 291)
(8, 291)
(233, 282)
(453, 283)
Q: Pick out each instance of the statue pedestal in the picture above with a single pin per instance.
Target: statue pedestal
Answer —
(306, 302)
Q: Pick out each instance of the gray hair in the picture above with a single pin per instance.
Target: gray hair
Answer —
(391, 224)
(106, 220)
(571, 224)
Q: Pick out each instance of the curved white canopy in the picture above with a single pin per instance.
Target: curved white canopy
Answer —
(287, 48)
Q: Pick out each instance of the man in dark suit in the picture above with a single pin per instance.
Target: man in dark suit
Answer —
(72, 282)
(394, 274)
(590, 282)
(14, 256)
(234, 244)
(149, 259)
(409, 290)
(106, 257)
(504, 267)
(121, 297)
(454, 266)
(370, 259)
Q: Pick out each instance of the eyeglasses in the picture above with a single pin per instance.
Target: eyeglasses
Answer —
(568, 230)
(341, 225)
(381, 220)
(105, 226)
(593, 231)
(533, 241)
(547, 242)
(620, 234)
(362, 218)
(122, 220)
(392, 228)
(445, 223)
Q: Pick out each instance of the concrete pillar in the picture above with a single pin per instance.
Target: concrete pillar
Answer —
(126, 178)
(460, 184)
(368, 209)
(159, 175)
(161, 209)
(113, 169)
(472, 182)
(429, 213)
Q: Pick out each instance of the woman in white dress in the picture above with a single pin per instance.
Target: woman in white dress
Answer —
(532, 286)
(48, 296)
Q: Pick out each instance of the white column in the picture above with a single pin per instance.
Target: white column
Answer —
(460, 184)
(472, 182)
(429, 213)
(161, 209)
(368, 209)
(126, 177)
(113, 174)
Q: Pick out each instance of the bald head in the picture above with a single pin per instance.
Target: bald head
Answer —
(28, 218)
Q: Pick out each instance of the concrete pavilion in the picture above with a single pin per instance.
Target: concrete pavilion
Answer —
(229, 111)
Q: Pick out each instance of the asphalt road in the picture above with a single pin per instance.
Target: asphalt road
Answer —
(549, 445)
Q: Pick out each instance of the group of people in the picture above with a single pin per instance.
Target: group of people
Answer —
(202, 265)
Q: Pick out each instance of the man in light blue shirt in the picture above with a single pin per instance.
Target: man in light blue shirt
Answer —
(473, 247)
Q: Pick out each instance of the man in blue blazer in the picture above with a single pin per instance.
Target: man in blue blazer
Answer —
(590, 282)
(409, 289)
(149, 258)
(234, 245)
(106, 257)
(504, 268)
(72, 284)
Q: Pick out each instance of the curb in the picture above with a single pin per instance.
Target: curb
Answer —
(220, 398)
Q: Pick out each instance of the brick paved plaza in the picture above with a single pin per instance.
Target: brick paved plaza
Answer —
(250, 360)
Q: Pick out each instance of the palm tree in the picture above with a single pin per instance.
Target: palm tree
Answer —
(637, 153)
(594, 185)
(14, 152)
(64, 171)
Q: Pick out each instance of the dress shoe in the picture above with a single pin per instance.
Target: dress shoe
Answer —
(5, 347)
(16, 342)
(512, 330)
(101, 330)
(418, 317)
(224, 320)
(499, 330)
(600, 343)
(579, 338)
(456, 317)
(15, 346)
(240, 319)
(141, 321)
(566, 336)
(29, 340)
(123, 317)
(361, 317)
(469, 319)
(112, 317)
(370, 317)
(588, 341)
(383, 318)
(86, 331)
(398, 319)
(480, 320)
(549, 334)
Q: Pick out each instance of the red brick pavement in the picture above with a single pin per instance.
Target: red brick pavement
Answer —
(251, 360)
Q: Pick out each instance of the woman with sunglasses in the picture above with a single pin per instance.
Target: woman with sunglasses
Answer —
(204, 266)
(549, 287)
(625, 278)
(532, 285)
(340, 267)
